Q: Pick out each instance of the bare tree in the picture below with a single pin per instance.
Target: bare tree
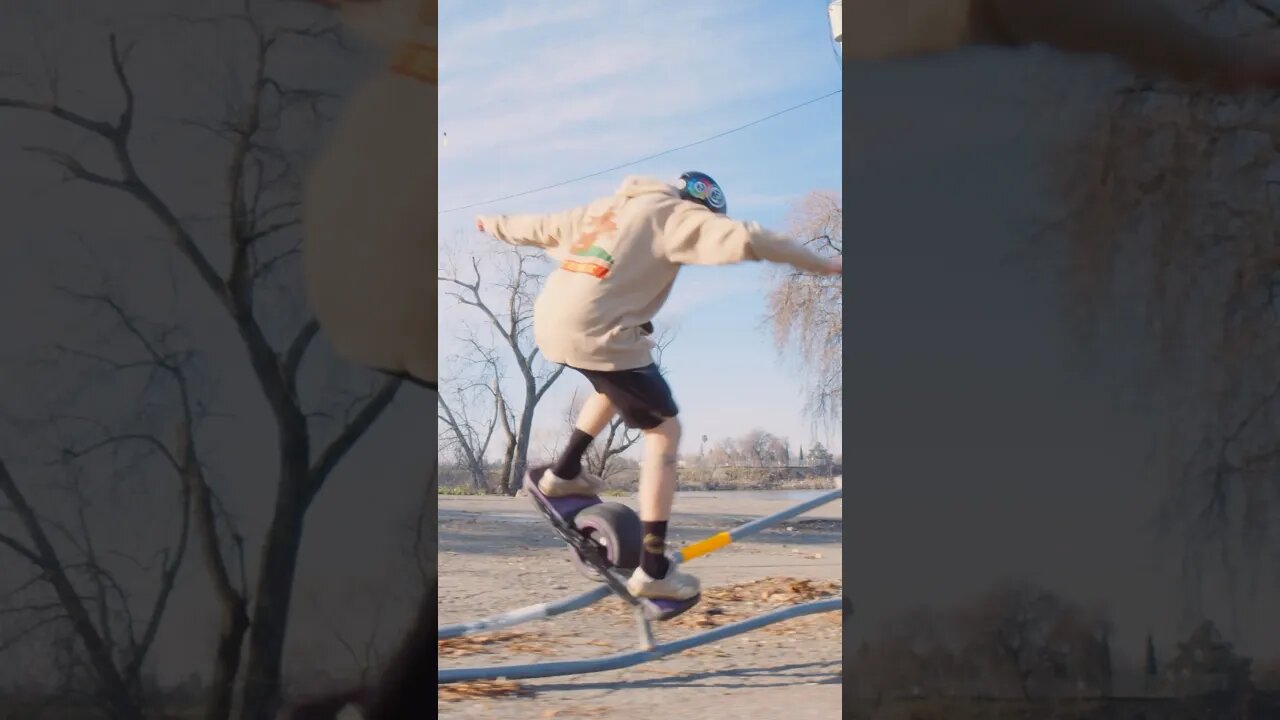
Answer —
(214, 527)
(1011, 625)
(616, 439)
(806, 311)
(1169, 207)
(512, 324)
(761, 448)
(257, 235)
(726, 451)
(1017, 638)
(600, 458)
(467, 437)
(88, 596)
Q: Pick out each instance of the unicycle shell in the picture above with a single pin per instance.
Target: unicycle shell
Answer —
(561, 513)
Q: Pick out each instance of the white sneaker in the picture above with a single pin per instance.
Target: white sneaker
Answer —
(553, 485)
(675, 586)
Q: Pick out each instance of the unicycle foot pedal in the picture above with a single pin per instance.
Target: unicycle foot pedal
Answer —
(662, 610)
(559, 510)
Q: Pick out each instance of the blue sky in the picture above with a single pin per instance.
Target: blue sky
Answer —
(533, 93)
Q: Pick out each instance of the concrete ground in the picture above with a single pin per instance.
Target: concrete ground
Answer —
(497, 554)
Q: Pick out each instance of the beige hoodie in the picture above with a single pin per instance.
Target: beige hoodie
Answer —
(619, 257)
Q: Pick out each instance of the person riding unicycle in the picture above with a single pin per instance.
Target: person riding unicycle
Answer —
(618, 260)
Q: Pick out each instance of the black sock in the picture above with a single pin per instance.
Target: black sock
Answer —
(570, 462)
(653, 559)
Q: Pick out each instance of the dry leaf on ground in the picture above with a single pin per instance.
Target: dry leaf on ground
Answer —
(506, 642)
(475, 689)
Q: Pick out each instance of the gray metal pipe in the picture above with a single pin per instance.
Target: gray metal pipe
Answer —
(526, 614)
(542, 611)
(628, 659)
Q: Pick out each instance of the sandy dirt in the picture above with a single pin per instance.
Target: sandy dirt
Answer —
(497, 554)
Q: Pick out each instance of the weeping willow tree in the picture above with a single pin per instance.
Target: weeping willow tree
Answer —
(805, 312)
(1170, 233)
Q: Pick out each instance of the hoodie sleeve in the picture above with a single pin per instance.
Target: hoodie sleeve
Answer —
(543, 231)
(694, 235)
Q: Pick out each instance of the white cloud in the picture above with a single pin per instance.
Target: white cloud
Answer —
(542, 92)
(590, 89)
(519, 17)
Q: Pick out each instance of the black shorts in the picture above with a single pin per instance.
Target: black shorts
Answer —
(641, 396)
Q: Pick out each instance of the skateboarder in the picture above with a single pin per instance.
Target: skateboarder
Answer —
(618, 259)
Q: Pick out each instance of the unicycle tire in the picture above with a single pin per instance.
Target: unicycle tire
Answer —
(615, 529)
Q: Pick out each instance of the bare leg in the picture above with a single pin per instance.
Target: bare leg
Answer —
(657, 577)
(1147, 34)
(595, 415)
(658, 473)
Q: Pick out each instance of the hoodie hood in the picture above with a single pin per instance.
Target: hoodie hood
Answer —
(637, 185)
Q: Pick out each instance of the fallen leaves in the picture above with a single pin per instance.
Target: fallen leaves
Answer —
(719, 606)
(504, 642)
(731, 603)
(477, 689)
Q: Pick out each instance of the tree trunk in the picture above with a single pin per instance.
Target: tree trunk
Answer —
(113, 688)
(521, 460)
(477, 478)
(1024, 679)
(234, 620)
(235, 623)
(508, 462)
(509, 454)
(262, 688)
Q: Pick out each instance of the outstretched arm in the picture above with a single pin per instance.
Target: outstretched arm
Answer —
(543, 231)
(694, 235)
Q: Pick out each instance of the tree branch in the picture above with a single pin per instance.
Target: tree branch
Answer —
(168, 581)
(297, 350)
(74, 168)
(151, 440)
(56, 576)
(25, 552)
(546, 385)
(124, 124)
(96, 127)
(347, 437)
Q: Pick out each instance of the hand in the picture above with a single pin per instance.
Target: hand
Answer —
(479, 224)
(835, 266)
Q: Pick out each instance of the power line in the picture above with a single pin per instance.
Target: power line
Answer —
(645, 158)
